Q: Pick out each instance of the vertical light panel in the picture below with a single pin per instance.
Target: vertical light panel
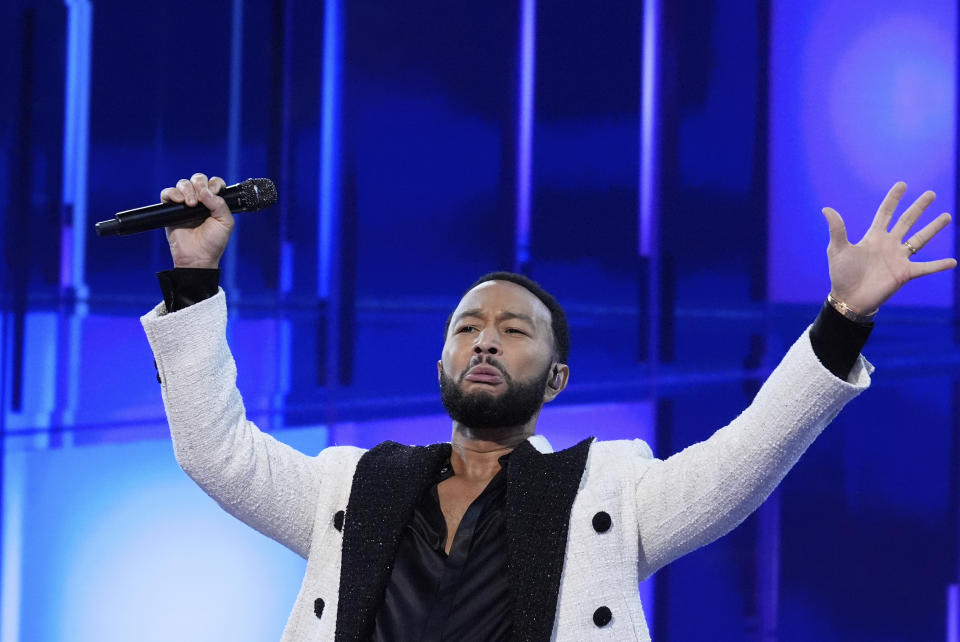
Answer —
(76, 135)
(648, 96)
(9, 603)
(329, 148)
(858, 100)
(284, 326)
(75, 146)
(648, 224)
(528, 49)
(234, 117)
(328, 227)
(11, 523)
(286, 107)
(953, 613)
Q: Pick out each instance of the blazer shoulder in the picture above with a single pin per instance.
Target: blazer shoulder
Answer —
(340, 456)
(622, 449)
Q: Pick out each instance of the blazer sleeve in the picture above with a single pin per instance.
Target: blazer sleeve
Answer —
(704, 491)
(261, 481)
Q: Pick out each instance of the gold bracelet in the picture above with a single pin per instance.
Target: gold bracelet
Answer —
(849, 312)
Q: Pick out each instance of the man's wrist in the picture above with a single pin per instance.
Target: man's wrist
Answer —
(857, 316)
(197, 265)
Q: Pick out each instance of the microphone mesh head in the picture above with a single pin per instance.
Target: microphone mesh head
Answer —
(257, 193)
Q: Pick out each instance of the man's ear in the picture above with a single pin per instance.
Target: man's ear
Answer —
(556, 381)
(439, 369)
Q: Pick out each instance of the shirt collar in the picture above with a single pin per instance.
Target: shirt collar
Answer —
(540, 443)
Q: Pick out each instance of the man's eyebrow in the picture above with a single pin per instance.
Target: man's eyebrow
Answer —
(474, 312)
(477, 312)
(517, 315)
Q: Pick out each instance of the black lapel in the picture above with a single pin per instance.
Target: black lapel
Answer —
(388, 481)
(540, 492)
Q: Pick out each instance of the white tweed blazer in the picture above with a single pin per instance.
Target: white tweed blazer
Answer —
(659, 509)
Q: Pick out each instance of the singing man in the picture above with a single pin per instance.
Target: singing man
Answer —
(493, 536)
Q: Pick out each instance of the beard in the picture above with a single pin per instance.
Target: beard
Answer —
(483, 411)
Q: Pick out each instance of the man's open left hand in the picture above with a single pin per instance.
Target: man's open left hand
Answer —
(865, 274)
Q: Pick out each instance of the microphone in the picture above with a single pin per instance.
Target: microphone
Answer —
(249, 196)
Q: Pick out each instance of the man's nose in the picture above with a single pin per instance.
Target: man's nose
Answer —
(487, 343)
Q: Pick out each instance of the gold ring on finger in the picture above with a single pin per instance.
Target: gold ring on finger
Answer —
(910, 247)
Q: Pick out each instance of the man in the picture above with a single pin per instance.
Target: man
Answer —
(492, 536)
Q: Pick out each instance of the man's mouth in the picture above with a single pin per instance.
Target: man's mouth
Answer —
(484, 374)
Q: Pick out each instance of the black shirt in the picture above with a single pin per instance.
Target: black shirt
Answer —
(432, 596)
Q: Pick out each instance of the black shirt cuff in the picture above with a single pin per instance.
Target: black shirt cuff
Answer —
(182, 287)
(837, 341)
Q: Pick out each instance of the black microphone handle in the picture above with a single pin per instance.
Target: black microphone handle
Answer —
(151, 218)
(249, 196)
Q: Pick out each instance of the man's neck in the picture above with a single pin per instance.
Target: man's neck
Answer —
(475, 456)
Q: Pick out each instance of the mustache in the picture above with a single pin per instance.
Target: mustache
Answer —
(489, 361)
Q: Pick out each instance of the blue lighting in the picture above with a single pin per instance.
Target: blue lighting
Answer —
(234, 118)
(413, 126)
(14, 497)
(953, 613)
(119, 544)
(648, 116)
(528, 49)
(329, 145)
(858, 100)
(75, 144)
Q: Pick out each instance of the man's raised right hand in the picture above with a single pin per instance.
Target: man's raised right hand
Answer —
(199, 245)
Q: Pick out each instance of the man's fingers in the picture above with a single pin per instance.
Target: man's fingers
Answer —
(918, 268)
(189, 193)
(931, 229)
(217, 206)
(881, 220)
(199, 182)
(838, 231)
(210, 200)
(171, 194)
(198, 189)
(909, 217)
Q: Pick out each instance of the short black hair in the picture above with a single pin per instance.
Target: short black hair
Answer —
(558, 318)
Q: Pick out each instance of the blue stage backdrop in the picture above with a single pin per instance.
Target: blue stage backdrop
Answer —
(858, 100)
(659, 166)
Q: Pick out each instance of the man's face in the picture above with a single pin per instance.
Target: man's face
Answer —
(498, 357)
